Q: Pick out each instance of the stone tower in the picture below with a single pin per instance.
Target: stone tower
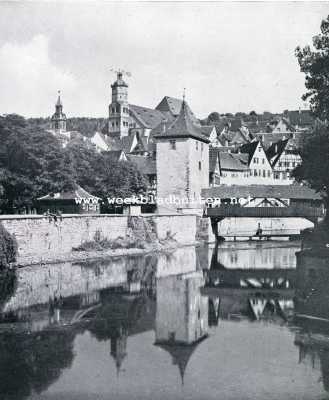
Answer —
(182, 163)
(119, 109)
(58, 120)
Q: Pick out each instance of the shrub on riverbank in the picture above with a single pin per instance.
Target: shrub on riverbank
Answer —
(8, 248)
(106, 244)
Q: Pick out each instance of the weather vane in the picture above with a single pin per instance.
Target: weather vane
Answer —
(120, 71)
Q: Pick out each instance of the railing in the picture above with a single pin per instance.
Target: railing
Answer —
(258, 212)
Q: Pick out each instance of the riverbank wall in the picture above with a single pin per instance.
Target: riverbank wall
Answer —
(42, 239)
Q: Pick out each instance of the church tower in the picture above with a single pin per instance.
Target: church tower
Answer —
(119, 109)
(58, 120)
(182, 163)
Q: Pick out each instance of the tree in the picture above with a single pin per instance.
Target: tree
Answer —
(314, 168)
(213, 117)
(119, 179)
(315, 64)
(32, 164)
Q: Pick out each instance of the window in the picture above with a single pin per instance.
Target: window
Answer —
(268, 174)
(264, 173)
(199, 165)
(201, 146)
(255, 172)
(263, 160)
(172, 144)
(196, 145)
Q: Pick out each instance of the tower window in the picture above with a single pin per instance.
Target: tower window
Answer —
(172, 144)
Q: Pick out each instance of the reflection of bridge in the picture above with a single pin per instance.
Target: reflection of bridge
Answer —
(246, 283)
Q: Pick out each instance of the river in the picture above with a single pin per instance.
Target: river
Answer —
(197, 323)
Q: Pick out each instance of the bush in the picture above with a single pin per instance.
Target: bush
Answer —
(8, 248)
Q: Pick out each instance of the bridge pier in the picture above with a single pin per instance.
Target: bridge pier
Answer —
(214, 226)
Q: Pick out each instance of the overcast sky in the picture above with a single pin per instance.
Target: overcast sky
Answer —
(230, 56)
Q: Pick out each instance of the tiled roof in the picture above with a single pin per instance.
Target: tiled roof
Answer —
(249, 148)
(233, 161)
(183, 126)
(259, 191)
(207, 130)
(171, 107)
(275, 150)
(148, 117)
(127, 142)
(213, 157)
(113, 155)
(78, 192)
(146, 165)
(300, 118)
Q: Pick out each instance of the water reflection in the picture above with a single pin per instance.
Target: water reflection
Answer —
(196, 317)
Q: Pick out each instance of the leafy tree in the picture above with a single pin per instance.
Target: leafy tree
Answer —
(119, 179)
(315, 64)
(32, 164)
(213, 117)
(314, 169)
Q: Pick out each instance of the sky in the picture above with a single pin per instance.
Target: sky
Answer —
(230, 56)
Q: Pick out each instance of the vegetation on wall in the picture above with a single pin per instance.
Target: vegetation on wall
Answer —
(8, 248)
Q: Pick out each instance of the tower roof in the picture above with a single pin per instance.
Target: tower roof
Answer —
(183, 127)
(119, 81)
(59, 101)
(181, 353)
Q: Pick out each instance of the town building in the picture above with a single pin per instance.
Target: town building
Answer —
(75, 201)
(260, 168)
(284, 158)
(182, 161)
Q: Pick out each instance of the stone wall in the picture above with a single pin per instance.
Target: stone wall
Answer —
(42, 240)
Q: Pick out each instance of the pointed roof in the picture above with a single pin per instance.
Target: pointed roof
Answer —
(250, 149)
(275, 151)
(59, 101)
(171, 107)
(180, 353)
(183, 127)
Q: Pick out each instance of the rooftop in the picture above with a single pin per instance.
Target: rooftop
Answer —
(294, 191)
(184, 127)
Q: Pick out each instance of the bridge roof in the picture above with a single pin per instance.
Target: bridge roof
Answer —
(262, 191)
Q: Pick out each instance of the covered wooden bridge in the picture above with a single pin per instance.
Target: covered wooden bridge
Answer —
(262, 201)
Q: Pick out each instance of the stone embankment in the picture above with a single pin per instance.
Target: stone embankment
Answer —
(47, 240)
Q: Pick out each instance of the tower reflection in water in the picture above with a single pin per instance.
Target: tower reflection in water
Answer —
(181, 316)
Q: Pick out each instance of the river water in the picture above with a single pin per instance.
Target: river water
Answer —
(197, 323)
